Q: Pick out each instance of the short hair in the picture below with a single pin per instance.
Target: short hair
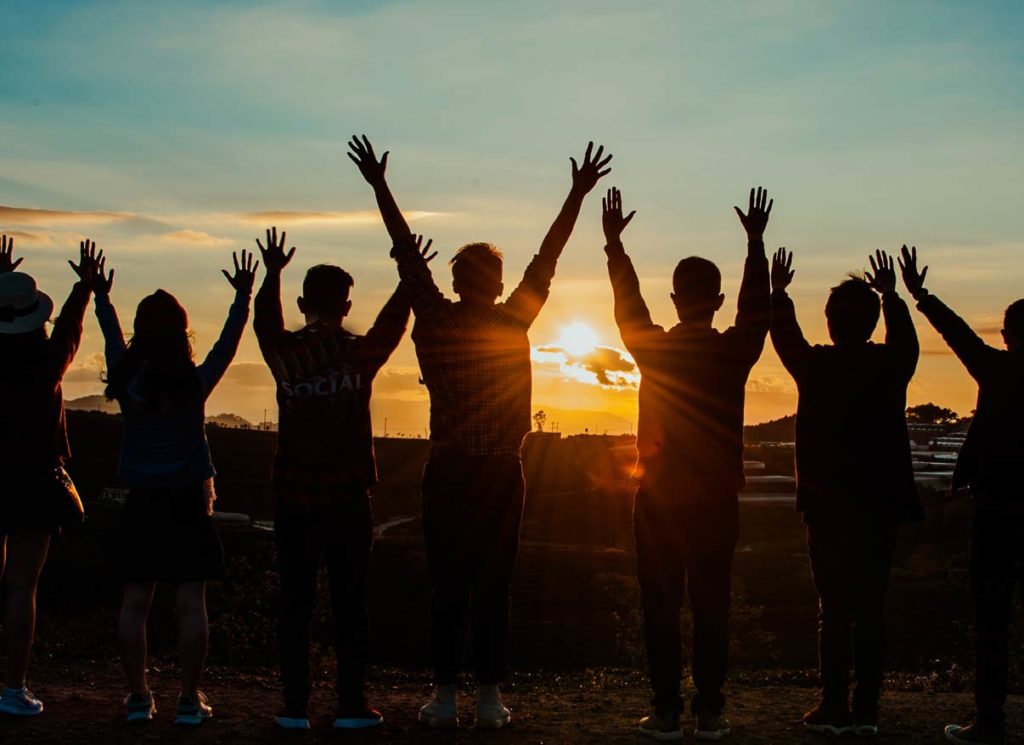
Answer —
(326, 288)
(1013, 321)
(852, 310)
(475, 260)
(696, 281)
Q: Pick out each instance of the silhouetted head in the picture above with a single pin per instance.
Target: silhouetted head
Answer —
(1013, 326)
(697, 290)
(325, 294)
(476, 273)
(852, 311)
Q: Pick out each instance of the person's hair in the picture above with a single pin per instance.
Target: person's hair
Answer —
(852, 310)
(159, 356)
(476, 260)
(326, 289)
(1013, 321)
(697, 283)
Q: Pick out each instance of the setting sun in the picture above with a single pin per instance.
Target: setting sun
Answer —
(578, 339)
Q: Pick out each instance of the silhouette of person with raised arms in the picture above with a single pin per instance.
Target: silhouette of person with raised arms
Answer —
(33, 448)
(855, 481)
(323, 470)
(989, 465)
(474, 357)
(166, 531)
(690, 467)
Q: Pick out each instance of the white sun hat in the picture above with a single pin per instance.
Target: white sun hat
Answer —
(22, 306)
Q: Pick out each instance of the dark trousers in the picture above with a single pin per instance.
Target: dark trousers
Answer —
(472, 510)
(341, 536)
(682, 548)
(997, 572)
(850, 563)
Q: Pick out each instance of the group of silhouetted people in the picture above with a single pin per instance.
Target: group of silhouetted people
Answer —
(855, 481)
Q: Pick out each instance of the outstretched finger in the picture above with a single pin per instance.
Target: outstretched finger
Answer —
(234, 258)
(751, 207)
(290, 254)
(369, 147)
(575, 167)
(227, 276)
(923, 273)
(590, 149)
(603, 163)
(628, 218)
(769, 210)
(262, 249)
(283, 241)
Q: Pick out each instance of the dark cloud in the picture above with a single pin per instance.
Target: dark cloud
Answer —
(612, 367)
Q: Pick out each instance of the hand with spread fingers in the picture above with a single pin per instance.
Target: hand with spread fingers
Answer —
(89, 263)
(882, 276)
(912, 278)
(585, 177)
(245, 272)
(756, 219)
(782, 269)
(274, 257)
(7, 262)
(611, 216)
(366, 160)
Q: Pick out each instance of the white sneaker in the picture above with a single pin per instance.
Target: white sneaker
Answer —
(442, 710)
(20, 702)
(491, 713)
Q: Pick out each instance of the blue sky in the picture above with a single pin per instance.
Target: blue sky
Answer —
(872, 124)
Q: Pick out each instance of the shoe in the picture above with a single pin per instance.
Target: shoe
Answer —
(865, 722)
(20, 702)
(711, 727)
(823, 720)
(193, 711)
(442, 710)
(971, 735)
(289, 718)
(139, 707)
(662, 727)
(491, 713)
(361, 716)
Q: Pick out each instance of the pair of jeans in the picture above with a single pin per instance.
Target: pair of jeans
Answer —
(996, 572)
(685, 548)
(850, 564)
(340, 536)
(472, 511)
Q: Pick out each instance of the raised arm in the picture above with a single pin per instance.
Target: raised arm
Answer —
(373, 171)
(753, 311)
(223, 351)
(639, 333)
(268, 316)
(101, 283)
(67, 329)
(900, 335)
(526, 300)
(973, 352)
(787, 337)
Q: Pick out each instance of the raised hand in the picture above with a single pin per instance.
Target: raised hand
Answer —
(912, 278)
(274, 257)
(363, 156)
(245, 272)
(7, 262)
(611, 216)
(882, 276)
(101, 281)
(782, 269)
(89, 262)
(585, 177)
(756, 219)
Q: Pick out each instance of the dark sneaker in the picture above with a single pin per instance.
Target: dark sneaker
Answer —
(832, 721)
(971, 735)
(292, 718)
(20, 702)
(362, 716)
(193, 711)
(711, 727)
(865, 722)
(662, 727)
(139, 707)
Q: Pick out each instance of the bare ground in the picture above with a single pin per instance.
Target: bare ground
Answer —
(600, 706)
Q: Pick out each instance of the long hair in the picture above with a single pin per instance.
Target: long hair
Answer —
(158, 365)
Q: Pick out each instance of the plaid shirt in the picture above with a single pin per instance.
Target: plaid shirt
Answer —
(475, 362)
(324, 379)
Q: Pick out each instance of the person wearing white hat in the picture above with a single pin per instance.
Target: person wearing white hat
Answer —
(33, 446)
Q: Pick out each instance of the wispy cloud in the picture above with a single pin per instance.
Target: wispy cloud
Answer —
(606, 367)
(40, 216)
(195, 238)
(300, 217)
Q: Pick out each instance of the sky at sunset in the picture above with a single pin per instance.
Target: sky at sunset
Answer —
(173, 133)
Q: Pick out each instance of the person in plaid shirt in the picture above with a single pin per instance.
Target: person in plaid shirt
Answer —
(323, 469)
(474, 356)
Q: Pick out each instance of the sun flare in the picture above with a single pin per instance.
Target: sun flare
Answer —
(578, 339)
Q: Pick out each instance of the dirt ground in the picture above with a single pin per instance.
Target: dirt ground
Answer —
(83, 706)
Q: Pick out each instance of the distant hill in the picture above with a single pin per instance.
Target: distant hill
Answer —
(777, 430)
(229, 420)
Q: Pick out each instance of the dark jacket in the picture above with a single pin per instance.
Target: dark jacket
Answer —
(692, 380)
(992, 458)
(852, 447)
(324, 378)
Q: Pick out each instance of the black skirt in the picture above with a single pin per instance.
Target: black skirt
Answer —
(166, 535)
(24, 504)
